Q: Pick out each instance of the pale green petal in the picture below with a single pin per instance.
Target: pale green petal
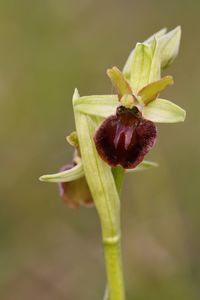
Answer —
(99, 105)
(69, 175)
(119, 82)
(169, 46)
(145, 67)
(150, 91)
(164, 111)
(127, 66)
(144, 165)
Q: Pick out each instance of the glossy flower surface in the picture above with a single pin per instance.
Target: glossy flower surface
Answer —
(125, 138)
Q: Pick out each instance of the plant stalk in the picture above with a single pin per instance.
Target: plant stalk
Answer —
(103, 188)
(112, 252)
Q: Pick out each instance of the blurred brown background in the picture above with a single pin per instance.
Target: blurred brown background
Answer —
(47, 251)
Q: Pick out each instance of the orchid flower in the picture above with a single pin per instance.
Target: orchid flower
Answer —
(113, 135)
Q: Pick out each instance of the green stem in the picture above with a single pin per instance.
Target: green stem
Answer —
(103, 188)
(118, 174)
(112, 250)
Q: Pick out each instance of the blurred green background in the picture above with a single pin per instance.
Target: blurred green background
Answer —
(48, 251)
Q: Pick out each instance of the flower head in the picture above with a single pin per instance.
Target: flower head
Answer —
(122, 125)
(126, 137)
(123, 138)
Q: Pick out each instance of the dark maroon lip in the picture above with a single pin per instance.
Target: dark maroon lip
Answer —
(125, 138)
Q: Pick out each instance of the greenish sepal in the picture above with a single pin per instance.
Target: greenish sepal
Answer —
(99, 105)
(144, 165)
(127, 66)
(169, 46)
(66, 176)
(164, 111)
(119, 82)
(145, 67)
(151, 91)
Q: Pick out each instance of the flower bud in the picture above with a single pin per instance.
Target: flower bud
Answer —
(76, 192)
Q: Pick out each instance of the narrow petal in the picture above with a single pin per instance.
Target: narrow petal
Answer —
(164, 111)
(119, 81)
(69, 175)
(150, 91)
(101, 106)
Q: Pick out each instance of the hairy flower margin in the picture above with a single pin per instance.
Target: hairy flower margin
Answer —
(138, 87)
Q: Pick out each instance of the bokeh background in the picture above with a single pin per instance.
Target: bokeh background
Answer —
(48, 251)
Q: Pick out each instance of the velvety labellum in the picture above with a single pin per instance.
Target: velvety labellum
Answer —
(125, 138)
